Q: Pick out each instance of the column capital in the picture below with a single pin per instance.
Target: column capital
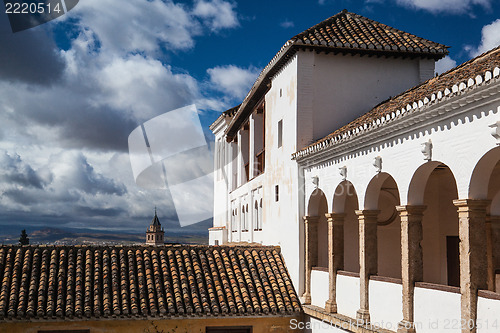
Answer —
(335, 218)
(311, 219)
(411, 209)
(471, 204)
(367, 212)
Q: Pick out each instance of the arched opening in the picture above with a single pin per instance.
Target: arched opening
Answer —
(485, 185)
(382, 194)
(318, 207)
(434, 186)
(345, 201)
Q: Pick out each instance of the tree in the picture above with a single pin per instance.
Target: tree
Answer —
(24, 240)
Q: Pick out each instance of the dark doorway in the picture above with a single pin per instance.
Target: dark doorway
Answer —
(453, 260)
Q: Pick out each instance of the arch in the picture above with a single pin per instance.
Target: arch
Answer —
(342, 192)
(419, 180)
(314, 202)
(345, 201)
(480, 179)
(375, 187)
(434, 186)
(318, 206)
(382, 194)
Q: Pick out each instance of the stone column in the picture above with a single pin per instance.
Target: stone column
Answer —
(411, 261)
(311, 255)
(493, 243)
(367, 259)
(335, 256)
(473, 263)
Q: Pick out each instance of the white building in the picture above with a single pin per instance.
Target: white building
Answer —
(379, 182)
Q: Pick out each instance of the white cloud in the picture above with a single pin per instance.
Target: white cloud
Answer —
(216, 14)
(287, 24)
(137, 25)
(490, 38)
(233, 80)
(445, 64)
(441, 6)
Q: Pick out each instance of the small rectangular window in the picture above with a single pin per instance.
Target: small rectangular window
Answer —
(280, 133)
(277, 193)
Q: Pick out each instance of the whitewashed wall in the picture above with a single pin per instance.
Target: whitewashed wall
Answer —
(347, 295)
(437, 311)
(457, 142)
(488, 315)
(386, 308)
(345, 87)
(319, 283)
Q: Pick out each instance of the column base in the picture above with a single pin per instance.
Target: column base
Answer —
(405, 326)
(363, 317)
(331, 306)
(306, 298)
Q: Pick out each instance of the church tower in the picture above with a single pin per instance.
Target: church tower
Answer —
(155, 233)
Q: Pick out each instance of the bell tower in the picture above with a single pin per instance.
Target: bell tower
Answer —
(155, 233)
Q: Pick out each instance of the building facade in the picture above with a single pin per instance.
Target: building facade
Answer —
(379, 180)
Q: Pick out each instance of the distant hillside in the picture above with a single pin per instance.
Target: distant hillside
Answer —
(75, 237)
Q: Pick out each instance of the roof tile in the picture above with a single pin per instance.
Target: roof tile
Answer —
(54, 282)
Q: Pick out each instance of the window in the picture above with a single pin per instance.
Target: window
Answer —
(256, 216)
(277, 193)
(280, 133)
(260, 215)
(247, 217)
(233, 221)
(244, 218)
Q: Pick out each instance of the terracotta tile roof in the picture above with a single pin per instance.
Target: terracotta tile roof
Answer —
(475, 72)
(346, 33)
(347, 30)
(58, 282)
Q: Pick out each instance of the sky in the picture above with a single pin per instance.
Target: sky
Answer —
(73, 89)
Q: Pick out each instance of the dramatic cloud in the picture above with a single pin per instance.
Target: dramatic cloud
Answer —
(445, 64)
(66, 117)
(232, 80)
(17, 172)
(287, 24)
(442, 6)
(216, 14)
(490, 38)
(29, 56)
